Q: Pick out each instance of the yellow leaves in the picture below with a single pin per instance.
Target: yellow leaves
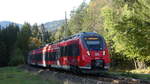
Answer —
(35, 42)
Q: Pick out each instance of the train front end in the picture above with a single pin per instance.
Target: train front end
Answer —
(95, 54)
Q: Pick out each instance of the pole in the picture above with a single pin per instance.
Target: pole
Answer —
(66, 25)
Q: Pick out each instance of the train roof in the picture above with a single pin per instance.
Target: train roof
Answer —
(80, 35)
(87, 34)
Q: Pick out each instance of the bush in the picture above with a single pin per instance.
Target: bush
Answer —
(17, 58)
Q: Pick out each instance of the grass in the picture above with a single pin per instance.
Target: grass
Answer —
(143, 74)
(141, 71)
(145, 77)
(14, 75)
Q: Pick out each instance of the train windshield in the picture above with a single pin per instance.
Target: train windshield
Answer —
(93, 43)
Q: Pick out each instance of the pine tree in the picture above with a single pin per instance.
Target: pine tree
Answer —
(3, 54)
(35, 30)
(23, 39)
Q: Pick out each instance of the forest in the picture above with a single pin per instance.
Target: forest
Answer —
(125, 24)
(16, 42)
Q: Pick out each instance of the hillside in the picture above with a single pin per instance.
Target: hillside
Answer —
(53, 25)
(4, 24)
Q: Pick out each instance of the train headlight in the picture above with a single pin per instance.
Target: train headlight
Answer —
(104, 53)
(88, 52)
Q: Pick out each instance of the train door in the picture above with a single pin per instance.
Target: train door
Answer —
(73, 52)
(58, 53)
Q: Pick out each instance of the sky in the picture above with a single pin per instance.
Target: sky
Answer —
(36, 11)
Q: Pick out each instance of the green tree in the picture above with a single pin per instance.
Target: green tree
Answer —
(59, 34)
(23, 39)
(3, 56)
(8, 38)
(45, 35)
(77, 19)
(35, 31)
(128, 26)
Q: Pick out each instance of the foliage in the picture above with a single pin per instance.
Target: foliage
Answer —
(59, 34)
(84, 19)
(128, 25)
(16, 58)
(23, 38)
(15, 42)
(34, 43)
(8, 37)
(3, 57)
(35, 31)
(77, 19)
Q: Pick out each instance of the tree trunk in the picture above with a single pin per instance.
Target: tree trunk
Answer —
(135, 64)
(139, 64)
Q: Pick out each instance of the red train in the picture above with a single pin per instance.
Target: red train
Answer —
(83, 51)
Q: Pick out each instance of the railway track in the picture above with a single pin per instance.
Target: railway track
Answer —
(68, 77)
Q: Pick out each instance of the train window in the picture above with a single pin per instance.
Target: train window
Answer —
(94, 44)
(38, 56)
(73, 50)
(58, 53)
(47, 56)
(52, 56)
(35, 56)
(70, 50)
(63, 51)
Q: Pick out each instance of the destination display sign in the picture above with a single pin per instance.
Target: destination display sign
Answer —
(91, 38)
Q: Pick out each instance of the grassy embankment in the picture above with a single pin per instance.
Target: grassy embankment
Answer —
(143, 74)
(14, 75)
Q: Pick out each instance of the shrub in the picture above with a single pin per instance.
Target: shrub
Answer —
(17, 58)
